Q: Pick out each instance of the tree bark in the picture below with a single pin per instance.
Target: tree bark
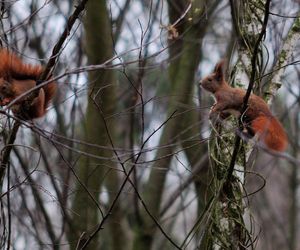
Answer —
(95, 174)
(184, 55)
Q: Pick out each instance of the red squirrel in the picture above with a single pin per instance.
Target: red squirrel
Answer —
(16, 78)
(258, 117)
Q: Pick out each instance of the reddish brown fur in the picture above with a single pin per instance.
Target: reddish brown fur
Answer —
(230, 101)
(271, 132)
(12, 66)
(16, 78)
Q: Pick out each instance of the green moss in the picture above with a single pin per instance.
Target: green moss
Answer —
(296, 25)
(283, 57)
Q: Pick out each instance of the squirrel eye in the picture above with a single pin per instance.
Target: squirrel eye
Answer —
(209, 79)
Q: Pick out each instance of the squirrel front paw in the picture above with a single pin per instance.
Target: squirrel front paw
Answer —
(212, 115)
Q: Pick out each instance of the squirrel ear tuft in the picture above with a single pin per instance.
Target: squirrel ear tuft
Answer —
(219, 70)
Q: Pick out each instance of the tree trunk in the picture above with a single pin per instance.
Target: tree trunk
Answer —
(184, 55)
(95, 174)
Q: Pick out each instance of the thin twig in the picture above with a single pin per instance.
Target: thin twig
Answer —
(8, 209)
(6, 151)
(185, 183)
(62, 39)
(37, 197)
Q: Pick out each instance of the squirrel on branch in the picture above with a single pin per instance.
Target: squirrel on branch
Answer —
(257, 119)
(16, 78)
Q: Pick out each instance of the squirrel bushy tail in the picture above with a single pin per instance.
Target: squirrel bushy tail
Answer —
(270, 131)
(12, 66)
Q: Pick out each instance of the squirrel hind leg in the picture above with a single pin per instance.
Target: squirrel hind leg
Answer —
(37, 107)
(30, 110)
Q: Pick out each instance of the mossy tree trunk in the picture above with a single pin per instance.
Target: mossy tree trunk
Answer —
(226, 228)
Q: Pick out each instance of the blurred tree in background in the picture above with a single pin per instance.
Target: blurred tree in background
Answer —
(126, 157)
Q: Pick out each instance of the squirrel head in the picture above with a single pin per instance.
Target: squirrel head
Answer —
(216, 80)
(6, 92)
(11, 88)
